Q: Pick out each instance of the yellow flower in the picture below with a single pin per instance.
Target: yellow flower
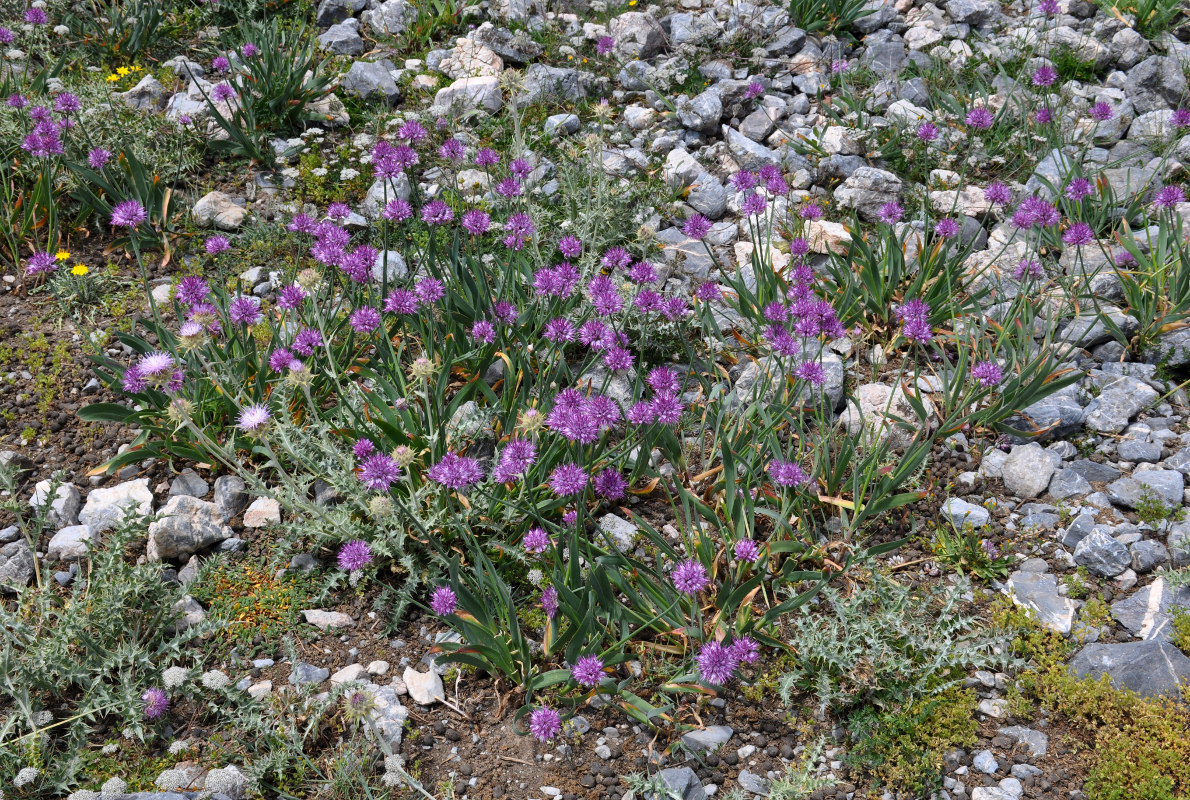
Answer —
(79, 269)
(122, 71)
(62, 255)
(631, 2)
(113, 78)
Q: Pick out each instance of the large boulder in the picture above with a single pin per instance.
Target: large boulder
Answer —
(1150, 668)
(638, 36)
(1027, 471)
(1155, 83)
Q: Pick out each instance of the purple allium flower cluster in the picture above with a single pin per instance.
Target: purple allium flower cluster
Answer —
(1035, 212)
(891, 212)
(609, 484)
(40, 263)
(1045, 76)
(927, 132)
(587, 671)
(1078, 234)
(436, 212)
(156, 703)
(1101, 112)
(1027, 269)
(544, 722)
(515, 459)
(483, 332)
(914, 316)
(476, 221)
(1078, 189)
(354, 555)
(980, 118)
(549, 602)
(245, 310)
(568, 479)
(519, 229)
(604, 45)
(1043, 116)
(811, 211)
(1181, 118)
(988, 373)
(570, 246)
(753, 90)
(536, 540)
(690, 577)
(452, 150)
(696, 226)
(487, 157)
(443, 601)
(946, 228)
(718, 662)
(456, 472)
(582, 419)
(787, 473)
(997, 194)
(746, 550)
(128, 214)
(1169, 196)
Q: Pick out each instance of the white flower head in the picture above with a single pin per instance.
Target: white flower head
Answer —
(215, 679)
(83, 794)
(112, 747)
(170, 779)
(174, 677)
(113, 787)
(42, 718)
(180, 746)
(535, 576)
(27, 775)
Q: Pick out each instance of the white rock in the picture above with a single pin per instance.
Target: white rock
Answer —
(105, 508)
(262, 512)
(424, 687)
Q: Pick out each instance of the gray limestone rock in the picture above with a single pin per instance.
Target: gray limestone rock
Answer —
(959, 513)
(1155, 83)
(1102, 555)
(1039, 592)
(1067, 483)
(867, 189)
(1149, 668)
(1147, 612)
(1166, 485)
(1027, 470)
(369, 80)
(1147, 555)
(230, 496)
(64, 508)
(551, 83)
(16, 566)
(343, 39)
(185, 526)
(707, 740)
(106, 508)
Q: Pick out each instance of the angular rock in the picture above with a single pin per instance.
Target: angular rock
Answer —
(1147, 613)
(1102, 555)
(16, 566)
(638, 36)
(185, 526)
(543, 82)
(189, 612)
(391, 17)
(71, 543)
(331, 12)
(263, 511)
(106, 508)
(303, 673)
(867, 190)
(1036, 741)
(1039, 592)
(621, 532)
(1155, 83)
(369, 80)
(976, 13)
(682, 783)
(557, 124)
(471, 59)
(1150, 668)
(230, 496)
(327, 619)
(468, 93)
(517, 49)
(959, 513)
(1067, 483)
(1027, 470)
(1093, 471)
(702, 112)
(387, 716)
(1117, 403)
(64, 508)
(749, 154)
(188, 483)
(1147, 555)
(425, 688)
(707, 740)
(220, 210)
(343, 39)
(881, 413)
(147, 95)
(1164, 484)
(352, 673)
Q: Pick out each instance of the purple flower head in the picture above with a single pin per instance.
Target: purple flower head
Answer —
(745, 649)
(456, 472)
(947, 228)
(610, 484)
(436, 212)
(306, 340)
(980, 118)
(128, 214)
(1045, 76)
(362, 449)
(536, 540)
(587, 671)
(364, 319)
(811, 211)
(476, 222)
(1169, 196)
(412, 131)
(787, 473)
(1043, 116)
(401, 301)
(291, 296)
(280, 359)
(40, 263)
(604, 45)
(6, 36)
(244, 311)
(509, 187)
(1101, 111)
(1049, 7)
(67, 103)
(690, 577)
(452, 150)
(568, 479)
(570, 246)
(17, 101)
(549, 602)
(927, 132)
(753, 204)
(397, 210)
(379, 471)
(988, 373)
(743, 180)
(253, 418)
(1078, 189)
(483, 332)
(558, 330)
(220, 63)
(997, 194)
(716, 663)
(1079, 233)
(429, 290)
(215, 245)
(223, 92)
(708, 291)
(545, 724)
(755, 89)
(36, 16)
(1124, 259)
(338, 211)
(443, 601)
(156, 703)
(891, 212)
(663, 380)
(697, 226)
(1027, 269)
(249, 50)
(746, 550)
(520, 168)
(354, 555)
(1181, 118)
(505, 311)
(642, 272)
(487, 157)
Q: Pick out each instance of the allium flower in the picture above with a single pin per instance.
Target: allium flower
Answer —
(549, 602)
(354, 555)
(754, 89)
(604, 45)
(452, 150)
(545, 723)
(587, 671)
(412, 131)
(1079, 233)
(753, 204)
(1078, 189)
(743, 180)
(708, 291)
(487, 157)
(746, 550)
(1043, 116)
(558, 330)
(988, 373)
(291, 296)
(397, 210)
(253, 418)
(223, 92)
(690, 577)
(570, 246)
(364, 319)
(306, 341)
(429, 290)
(483, 332)
(156, 703)
(443, 601)
(811, 211)
(1181, 118)
(476, 222)
(787, 473)
(663, 379)
(6, 36)
(1045, 76)
(41, 262)
(536, 540)
(401, 301)
(520, 168)
(980, 118)
(716, 663)
(456, 472)
(215, 245)
(1027, 269)
(610, 484)
(927, 132)
(667, 409)
(338, 211)
(696, 226)
(363, 448)
(568, 479)
(505, 311)
(1169, 196)
(36, 16)
(128, 214)
(745, 649)
(947, 228)
(891, 212)
(249, 50)
(220, 63)
(436, 212)
(1049, 7)
(378, 472)
(509, 187)
(244, 310)
(997, 194)
(1101, 111)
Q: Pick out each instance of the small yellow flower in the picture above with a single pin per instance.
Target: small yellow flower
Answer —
(113, 78)
(79, 269)
(631, 2)
(62, 255)
(122, 71)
